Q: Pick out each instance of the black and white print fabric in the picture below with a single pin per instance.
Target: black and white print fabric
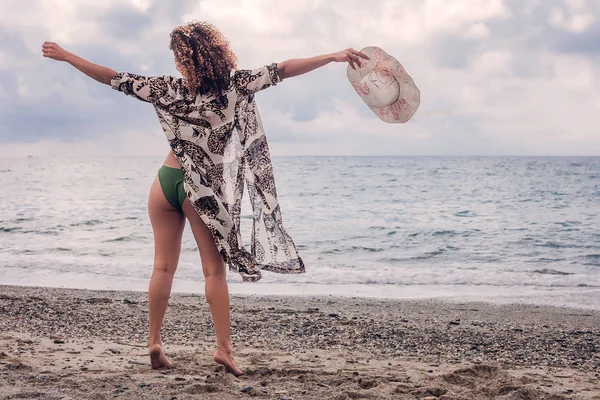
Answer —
(220, 143)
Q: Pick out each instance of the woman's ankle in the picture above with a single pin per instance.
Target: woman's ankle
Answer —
(225, 348)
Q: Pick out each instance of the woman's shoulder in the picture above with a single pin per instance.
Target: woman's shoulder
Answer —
(174, 82)
(250, 81)
(175, 88)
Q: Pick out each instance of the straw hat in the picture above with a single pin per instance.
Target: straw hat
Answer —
(385, 86)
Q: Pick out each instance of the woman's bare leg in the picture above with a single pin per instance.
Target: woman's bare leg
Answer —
(216, 289)
(167, 225)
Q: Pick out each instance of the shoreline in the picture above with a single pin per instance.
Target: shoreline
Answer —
(297, 347)
(573, 297)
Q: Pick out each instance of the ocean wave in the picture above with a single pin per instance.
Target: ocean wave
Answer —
(26, 251)
(21, 219)
(377, 282)
(120, 239)
(591, 259)
(48, 232)
(568, 223)
(365, 248)
(465, 214)
(555, 245)
(425, 256)
(546, 271)
(9, 230)
(445, 233)
(90, 222)
(21, 231)
(352, 249)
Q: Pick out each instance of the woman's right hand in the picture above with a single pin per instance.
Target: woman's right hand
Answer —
(351, 56)
(299, 66)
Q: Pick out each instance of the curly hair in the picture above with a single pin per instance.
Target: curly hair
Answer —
(204, 57)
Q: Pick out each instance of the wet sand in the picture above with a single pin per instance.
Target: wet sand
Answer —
(80, 344)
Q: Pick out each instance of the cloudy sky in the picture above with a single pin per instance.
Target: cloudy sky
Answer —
(497, 77)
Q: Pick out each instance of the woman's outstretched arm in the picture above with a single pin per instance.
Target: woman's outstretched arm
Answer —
(140, 87)
(299, 66)
(98, 72)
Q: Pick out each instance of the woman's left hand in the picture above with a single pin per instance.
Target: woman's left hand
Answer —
(54, 51)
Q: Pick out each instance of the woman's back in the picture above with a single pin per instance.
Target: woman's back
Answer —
(219, 142)
(186, 116)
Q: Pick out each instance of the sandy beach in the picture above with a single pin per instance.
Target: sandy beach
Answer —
(80, 344)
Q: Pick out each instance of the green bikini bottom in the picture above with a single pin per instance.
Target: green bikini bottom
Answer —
(171, 183)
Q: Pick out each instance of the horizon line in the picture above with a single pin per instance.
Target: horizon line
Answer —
(321, 155)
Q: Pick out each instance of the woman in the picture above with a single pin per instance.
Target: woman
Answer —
(217, 141)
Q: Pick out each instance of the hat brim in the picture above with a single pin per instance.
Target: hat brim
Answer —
(409, 99)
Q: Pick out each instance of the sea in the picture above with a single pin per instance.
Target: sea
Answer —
(499, 229)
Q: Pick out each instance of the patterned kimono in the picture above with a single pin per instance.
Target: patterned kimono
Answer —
(220, 142)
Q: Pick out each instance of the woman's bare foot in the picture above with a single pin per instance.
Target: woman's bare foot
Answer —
(158, 359)
(226, 359)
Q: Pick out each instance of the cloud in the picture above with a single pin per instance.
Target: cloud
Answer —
(496, 76)
(575, 23)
